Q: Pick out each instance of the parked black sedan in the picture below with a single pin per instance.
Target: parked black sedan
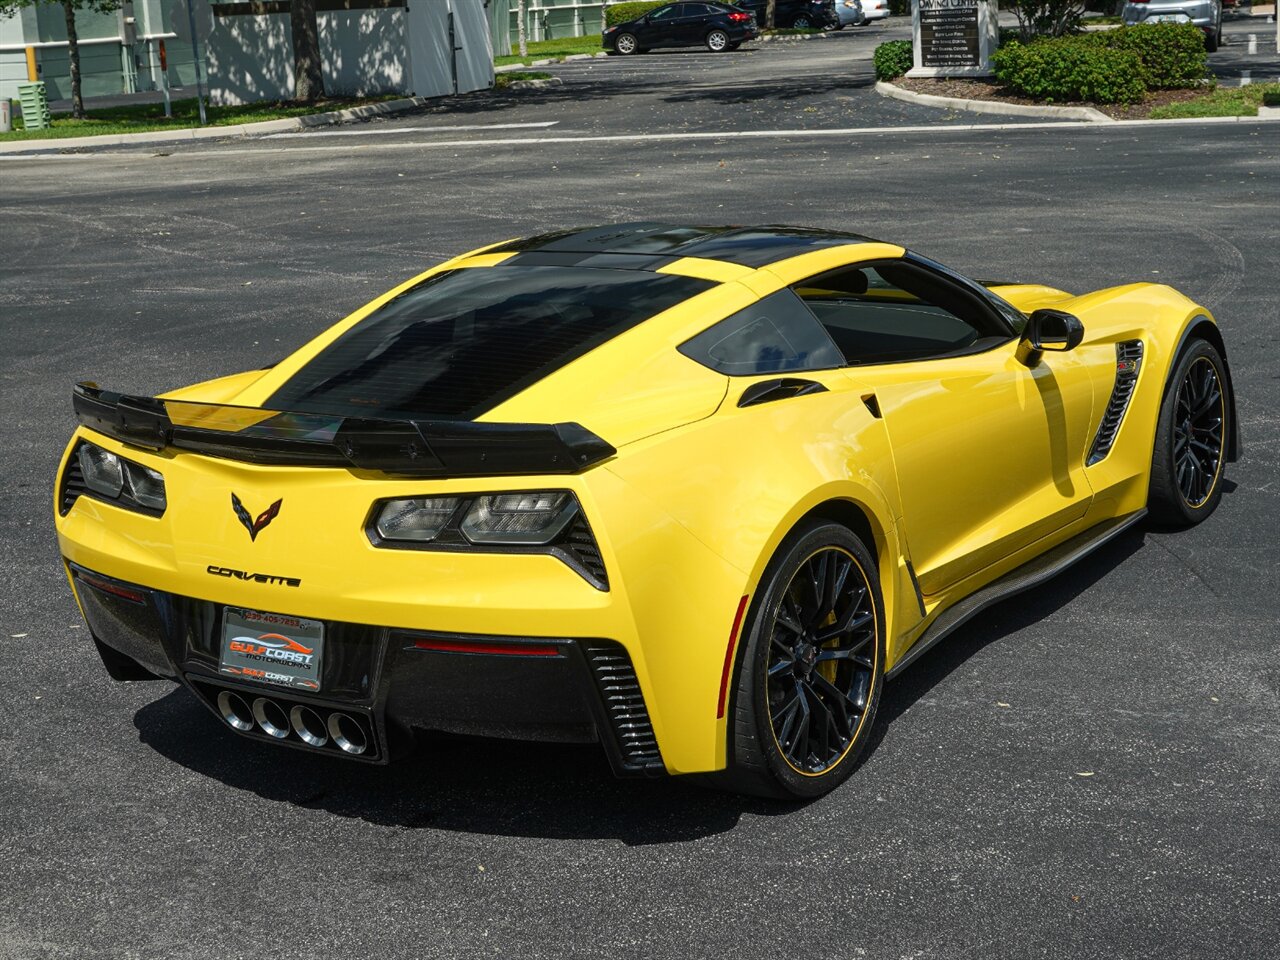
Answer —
(718, 26)
(820, 14)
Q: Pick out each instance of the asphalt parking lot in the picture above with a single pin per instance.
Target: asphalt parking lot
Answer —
(1090, 770)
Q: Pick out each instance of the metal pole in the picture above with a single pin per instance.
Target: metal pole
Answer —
(195, 54)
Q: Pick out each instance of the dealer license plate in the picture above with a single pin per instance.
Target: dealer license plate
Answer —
(271, 648)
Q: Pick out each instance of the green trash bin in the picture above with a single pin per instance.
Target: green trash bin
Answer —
(35, 105)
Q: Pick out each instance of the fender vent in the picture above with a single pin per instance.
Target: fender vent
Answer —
(1128, 362)
(581, 545)
(72, 485)
(637, 747)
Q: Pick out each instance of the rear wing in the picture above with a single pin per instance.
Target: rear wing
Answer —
(403, 448)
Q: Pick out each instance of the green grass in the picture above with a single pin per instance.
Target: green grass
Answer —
(1223, 102)
(148, 117)
(552, 49)
(506, 79)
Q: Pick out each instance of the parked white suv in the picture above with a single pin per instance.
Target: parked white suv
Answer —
(1205, 14)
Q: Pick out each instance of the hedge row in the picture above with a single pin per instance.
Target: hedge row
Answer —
(1109, 66)
(1068, 69)
(1106, 66)
(623, 12)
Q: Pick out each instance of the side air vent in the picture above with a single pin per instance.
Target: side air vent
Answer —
(1128, 362)
(581, 545)
(72, 484)
(637, 747)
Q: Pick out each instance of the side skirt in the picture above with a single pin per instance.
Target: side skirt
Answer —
(1031, 574)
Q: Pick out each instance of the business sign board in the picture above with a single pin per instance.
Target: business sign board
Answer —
(953, 38)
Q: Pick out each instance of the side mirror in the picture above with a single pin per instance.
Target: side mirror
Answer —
(1050, 330)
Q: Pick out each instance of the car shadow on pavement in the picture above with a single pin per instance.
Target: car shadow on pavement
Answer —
(996, 623)
(491, 787)
(550, 791)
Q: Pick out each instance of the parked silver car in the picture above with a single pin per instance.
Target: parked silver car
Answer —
(1205, 14)
(850, 13)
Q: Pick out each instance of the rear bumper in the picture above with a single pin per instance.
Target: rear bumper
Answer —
(389, 682)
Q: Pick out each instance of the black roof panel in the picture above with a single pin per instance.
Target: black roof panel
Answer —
(746, 246)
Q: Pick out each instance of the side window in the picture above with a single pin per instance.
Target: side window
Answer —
(773, 335)
(896, 310)
(696, 10)
(666, 13)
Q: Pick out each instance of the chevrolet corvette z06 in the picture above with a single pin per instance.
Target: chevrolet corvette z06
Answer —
(690, 492)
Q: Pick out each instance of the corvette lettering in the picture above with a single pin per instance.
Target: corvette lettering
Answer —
(268, 578)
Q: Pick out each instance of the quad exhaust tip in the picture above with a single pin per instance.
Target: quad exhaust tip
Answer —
(272, 720)
(235, 710)
(308, 725)
(279, 722)
(347, 734)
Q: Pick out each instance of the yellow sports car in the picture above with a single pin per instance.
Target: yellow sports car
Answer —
(691, 492)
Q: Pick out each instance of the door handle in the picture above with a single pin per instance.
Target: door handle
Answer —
(766, 391)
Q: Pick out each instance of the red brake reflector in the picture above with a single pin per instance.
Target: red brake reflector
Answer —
(115, 589)
(495, 649)
(728, 657)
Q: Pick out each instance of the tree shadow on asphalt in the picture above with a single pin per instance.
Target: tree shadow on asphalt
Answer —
(583, 89)
(551, 791)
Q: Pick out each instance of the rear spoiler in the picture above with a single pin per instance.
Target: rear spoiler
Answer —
(403, 448)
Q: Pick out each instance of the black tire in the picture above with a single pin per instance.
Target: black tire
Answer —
(1189, 457)
(801, 22)
(625, 44)
(717, 40)
(842, 674)
(1213, 40)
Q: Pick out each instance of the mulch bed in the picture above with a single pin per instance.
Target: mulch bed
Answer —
(988, 90)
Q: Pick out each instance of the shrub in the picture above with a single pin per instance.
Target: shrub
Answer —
(1172, 54)
(893, 59)
(623, 12)
(1069, 68)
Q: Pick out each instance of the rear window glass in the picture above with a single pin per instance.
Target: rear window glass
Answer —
(776, 334)
(462, 342)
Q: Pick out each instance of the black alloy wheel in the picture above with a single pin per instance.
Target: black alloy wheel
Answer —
(821, 661)
(1191, 439)
(811, 669)
(802, 22)
(1198, 439)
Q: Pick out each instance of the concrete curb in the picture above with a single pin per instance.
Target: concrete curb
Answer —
(991, 106)
(516, 67)
(206, 133)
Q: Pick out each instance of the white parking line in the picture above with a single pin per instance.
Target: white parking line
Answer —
(1245, 78)
(1253, 44)
(378, 131)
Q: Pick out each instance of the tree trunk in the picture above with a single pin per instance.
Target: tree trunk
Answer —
(770, 14)
(73, 53)
(520, 14)
(308, 79)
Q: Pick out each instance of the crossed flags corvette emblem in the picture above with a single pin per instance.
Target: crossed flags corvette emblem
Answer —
(254, 526)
